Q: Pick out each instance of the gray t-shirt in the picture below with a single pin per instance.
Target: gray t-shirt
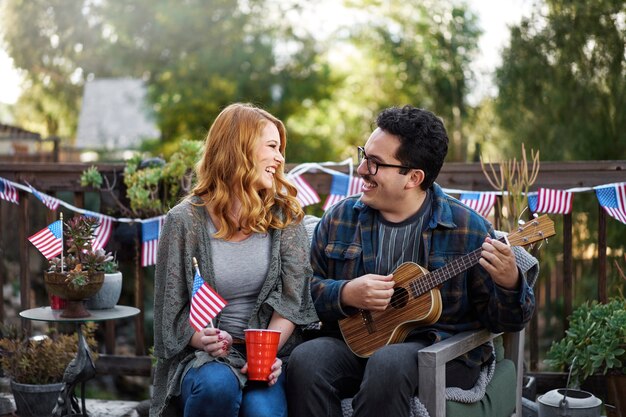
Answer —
(240, 271)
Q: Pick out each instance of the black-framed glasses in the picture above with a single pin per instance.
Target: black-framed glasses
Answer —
(373, 165)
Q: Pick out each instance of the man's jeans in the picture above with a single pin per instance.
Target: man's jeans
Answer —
(213, 390)
(322, 371)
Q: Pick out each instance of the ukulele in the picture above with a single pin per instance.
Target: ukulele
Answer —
(416, 300)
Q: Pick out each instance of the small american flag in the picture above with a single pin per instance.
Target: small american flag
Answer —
(150, 231)
(48, 201)
(49, 240)
(8, 192)
(551, 201)
(481, 202)
(206, 303)
(342, 186)
(613, 199)
(306, 194)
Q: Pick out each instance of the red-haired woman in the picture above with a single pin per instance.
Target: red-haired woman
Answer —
(243, 224)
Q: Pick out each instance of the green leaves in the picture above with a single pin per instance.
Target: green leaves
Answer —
(563, 81)
(594, 343)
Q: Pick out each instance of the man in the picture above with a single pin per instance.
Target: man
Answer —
(401, 216)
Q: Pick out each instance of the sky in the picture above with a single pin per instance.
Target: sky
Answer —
(494, 15)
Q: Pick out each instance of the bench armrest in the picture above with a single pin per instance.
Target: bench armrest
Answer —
(432, 366)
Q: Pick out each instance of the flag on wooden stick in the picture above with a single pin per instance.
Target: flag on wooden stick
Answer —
(206, 303)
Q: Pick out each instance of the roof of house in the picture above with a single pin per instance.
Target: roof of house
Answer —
(115, 115)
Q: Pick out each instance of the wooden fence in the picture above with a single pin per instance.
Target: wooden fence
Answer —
(55, 178)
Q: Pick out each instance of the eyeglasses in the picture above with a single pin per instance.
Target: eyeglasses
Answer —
(372, 165)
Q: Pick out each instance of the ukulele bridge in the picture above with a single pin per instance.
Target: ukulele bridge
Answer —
(368, 322)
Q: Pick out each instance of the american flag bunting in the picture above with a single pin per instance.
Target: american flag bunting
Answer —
(150, 231)
(342, 186)
(612, 198)
(306, 194)
(8, 192)
(551, 201)
(48, 201)
(102, 234)
(49, 240)
(481, 202)
(206, 303)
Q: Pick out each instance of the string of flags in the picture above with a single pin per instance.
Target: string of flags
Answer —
(611, 197)
(481, 202)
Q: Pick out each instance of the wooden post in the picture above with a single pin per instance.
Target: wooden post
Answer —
(601, 254)
(109, 337)
(140, 348)
(568, 290)
(2, 274)
(23, 228)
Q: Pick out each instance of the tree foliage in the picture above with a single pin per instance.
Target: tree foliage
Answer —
(562, 84)
(195, 59)
(395, 53)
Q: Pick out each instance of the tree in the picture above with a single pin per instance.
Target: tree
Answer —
(394, 53)
(51, 40)
(562, 83)
(195, 59)
(421, 53)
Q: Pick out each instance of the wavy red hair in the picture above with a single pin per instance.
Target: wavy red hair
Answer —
(226, 170)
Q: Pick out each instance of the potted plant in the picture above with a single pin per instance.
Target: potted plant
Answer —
(36, 366)
(595, 343)
(152, 185)
(79, 272)
(109, 293)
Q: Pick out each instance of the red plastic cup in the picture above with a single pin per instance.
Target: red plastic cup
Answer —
(261, 348)
(57, 303)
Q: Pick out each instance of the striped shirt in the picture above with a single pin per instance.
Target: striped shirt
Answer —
(400, 242)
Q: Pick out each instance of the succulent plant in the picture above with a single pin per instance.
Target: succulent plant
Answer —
(79, 256)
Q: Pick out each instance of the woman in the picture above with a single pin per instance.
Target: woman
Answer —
(242, 223)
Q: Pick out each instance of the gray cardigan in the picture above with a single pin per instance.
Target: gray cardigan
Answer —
(185, 235)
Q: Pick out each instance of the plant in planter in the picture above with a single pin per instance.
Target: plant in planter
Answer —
(80, 273)
(152, 185)
(36, 366)
(596, 339)
(594, 343)
(109, 294)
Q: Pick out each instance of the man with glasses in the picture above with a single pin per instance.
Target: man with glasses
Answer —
(401, 216)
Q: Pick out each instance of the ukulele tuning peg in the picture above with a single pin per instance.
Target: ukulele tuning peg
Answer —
(535, 215)
(521, 222)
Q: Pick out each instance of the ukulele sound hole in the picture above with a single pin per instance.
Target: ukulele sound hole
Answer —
(399, 298)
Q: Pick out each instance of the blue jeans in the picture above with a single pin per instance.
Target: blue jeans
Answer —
(213, 390)
(322, 371)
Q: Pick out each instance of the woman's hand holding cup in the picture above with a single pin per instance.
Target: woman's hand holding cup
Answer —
(275, 371)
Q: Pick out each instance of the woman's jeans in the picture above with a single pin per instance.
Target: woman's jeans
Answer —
(213, 390)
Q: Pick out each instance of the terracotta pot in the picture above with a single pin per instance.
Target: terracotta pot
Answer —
(75, 295)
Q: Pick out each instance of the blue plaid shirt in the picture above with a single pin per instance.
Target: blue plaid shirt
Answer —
(343, 249)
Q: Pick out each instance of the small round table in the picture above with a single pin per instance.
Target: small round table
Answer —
(81, 368)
